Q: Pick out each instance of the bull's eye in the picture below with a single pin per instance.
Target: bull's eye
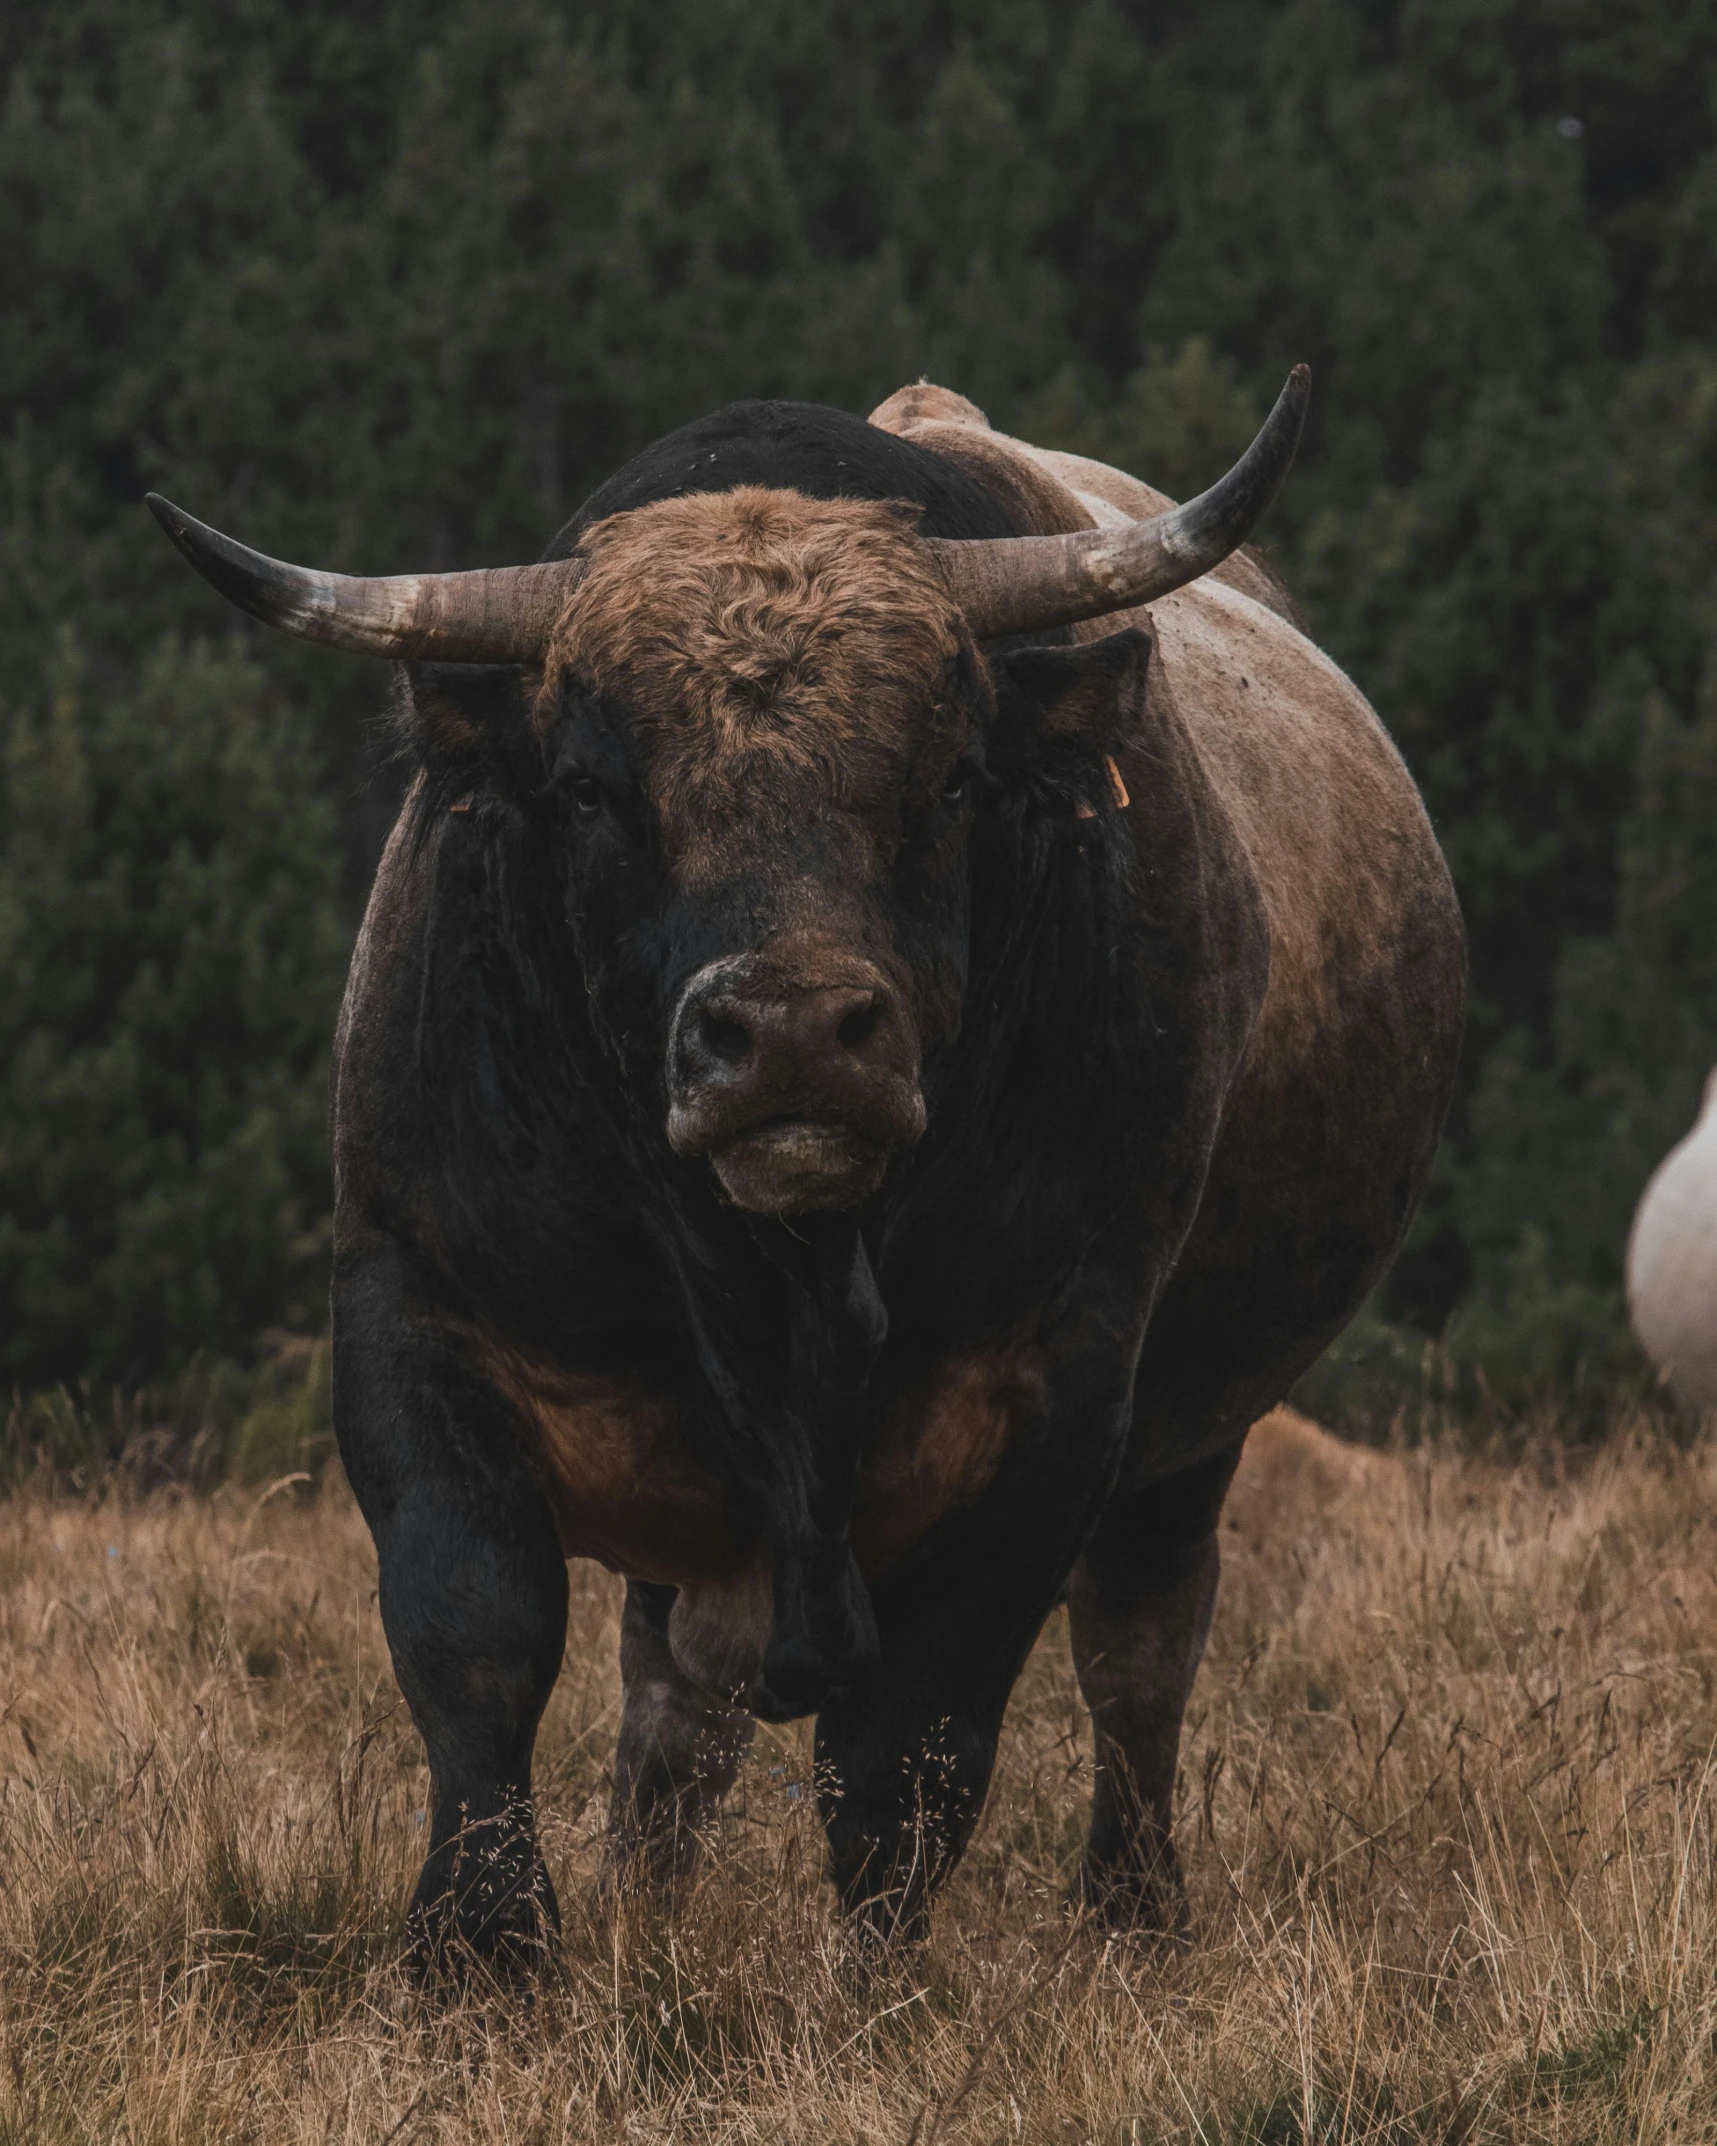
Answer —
(586, 794)
(962, 780)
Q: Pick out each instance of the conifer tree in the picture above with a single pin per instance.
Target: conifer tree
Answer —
(171, 944)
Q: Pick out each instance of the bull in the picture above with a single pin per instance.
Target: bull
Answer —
(905, 1004)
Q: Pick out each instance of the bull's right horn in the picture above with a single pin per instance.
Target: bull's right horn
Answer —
(502, 614)
(1029, 584)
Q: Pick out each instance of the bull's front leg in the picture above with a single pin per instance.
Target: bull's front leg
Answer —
(903, 1765)
(473, 1595)
(904, 1760)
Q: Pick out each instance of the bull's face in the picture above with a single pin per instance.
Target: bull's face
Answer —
(765, 723)
(765, 728)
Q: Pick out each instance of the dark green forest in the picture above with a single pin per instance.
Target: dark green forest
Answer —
(391, 288)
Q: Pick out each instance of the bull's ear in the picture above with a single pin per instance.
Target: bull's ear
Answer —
(462, 711)
(1091, 693)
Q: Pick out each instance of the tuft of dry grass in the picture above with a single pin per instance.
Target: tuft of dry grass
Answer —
(1446, 1811)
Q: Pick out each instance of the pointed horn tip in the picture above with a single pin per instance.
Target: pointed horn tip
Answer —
(181, 529)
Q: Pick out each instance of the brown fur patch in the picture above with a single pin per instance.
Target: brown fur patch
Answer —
(621, 1485)
(624, 1490)
(778, 654)
(1042, 503)
(939, 1446)
(923, 403)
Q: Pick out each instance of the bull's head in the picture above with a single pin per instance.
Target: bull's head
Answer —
(764, 719)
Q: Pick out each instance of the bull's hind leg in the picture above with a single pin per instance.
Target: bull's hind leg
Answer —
(1139, 1606)
(678, 1752)
(473, 1599)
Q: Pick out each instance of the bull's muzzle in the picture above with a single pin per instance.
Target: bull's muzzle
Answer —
(799, 1089)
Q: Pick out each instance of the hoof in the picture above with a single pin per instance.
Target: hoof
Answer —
(1148, 1904)
(890, 1917)
(485, 1900)
(654, 1852)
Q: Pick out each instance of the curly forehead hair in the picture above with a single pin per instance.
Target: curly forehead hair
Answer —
(761, 641)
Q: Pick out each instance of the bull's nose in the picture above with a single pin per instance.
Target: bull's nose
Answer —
(797, 1089)
(812, 1039)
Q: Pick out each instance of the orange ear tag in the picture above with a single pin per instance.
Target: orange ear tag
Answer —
(1085, 810)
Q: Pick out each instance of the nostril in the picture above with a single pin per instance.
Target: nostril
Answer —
(859, 1026)
(723, 1039)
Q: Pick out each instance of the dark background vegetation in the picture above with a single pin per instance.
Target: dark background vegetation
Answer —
(391, 287)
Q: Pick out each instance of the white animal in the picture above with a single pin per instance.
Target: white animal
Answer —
(1672, 1262)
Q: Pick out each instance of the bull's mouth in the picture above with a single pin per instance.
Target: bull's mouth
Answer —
(799, 1166)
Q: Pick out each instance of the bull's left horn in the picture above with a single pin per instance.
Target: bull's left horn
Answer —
(1028, 584)
(501, 614)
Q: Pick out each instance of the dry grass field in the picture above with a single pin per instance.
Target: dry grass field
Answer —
(1446, 1809)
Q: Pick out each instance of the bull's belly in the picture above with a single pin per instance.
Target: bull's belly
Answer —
(626, 1490)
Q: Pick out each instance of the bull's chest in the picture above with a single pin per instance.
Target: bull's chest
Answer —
(626, 1489)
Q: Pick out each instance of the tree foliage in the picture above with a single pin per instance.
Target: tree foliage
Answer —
(393, 287)
(171, 943)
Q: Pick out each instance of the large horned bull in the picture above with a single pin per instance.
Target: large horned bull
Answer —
(856, 1087)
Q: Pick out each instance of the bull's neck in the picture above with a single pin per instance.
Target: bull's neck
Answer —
(797, 1409)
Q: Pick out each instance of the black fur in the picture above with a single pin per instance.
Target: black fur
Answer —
(800, 447)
